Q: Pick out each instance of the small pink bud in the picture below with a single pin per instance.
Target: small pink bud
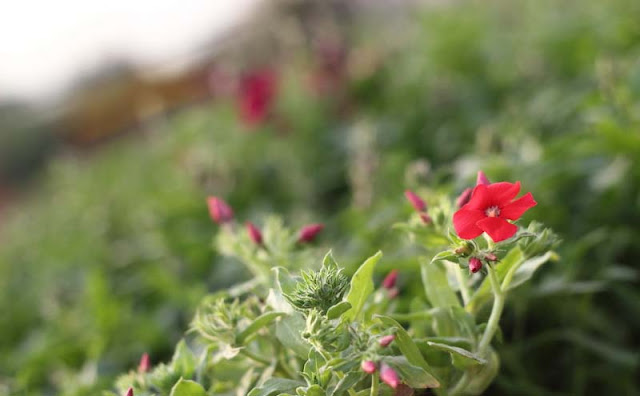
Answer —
(254, 233)
(482, 179)
(389, 376)
(129, 392)
(390, 280)
(417, 202)
(464, 197)
(145, 363)
(386, 340)
(368, 366)
(309, 232)
(475, 264)
(426, 219)
(393, 293)
(491, 257)
(219, 211)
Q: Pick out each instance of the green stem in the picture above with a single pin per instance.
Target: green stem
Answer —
(496, 312)
(462, 283)
(374, 384)
(461, 385)
(255, 357)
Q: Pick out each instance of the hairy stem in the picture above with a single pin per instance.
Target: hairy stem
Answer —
(496, 312)
(374, 384)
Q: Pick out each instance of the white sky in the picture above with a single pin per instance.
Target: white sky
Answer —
(45, 44)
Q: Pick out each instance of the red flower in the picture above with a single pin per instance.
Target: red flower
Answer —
(489, 209)
(219, 210)
(257, 91)
(309, 232)
(417, 202)
(254, 233)
(129, 392)
(482, 179)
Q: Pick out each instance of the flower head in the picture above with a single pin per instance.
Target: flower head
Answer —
(417, 202)
(254, 233)
(309, 232)
(475, 264)
(368, 366)
(145, 363)
(389, 376)
(257, 91)
(489, 209)
(219, 211)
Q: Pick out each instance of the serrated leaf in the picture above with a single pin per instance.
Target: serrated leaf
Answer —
(187, 388)
(436, 285)
(276, 386)
(260, 322)
(412, 375)
(361, 286)
(337, 310)
(288, 332)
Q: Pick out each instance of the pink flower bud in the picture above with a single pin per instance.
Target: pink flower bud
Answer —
(390, 280)
(482, 179)
(129, 392)
(368, 366)
(475, 264)
(464, 197)
(389, 376)
(145, 363)
(309, 232)
(254, 233)
(491, 257)
(393, 292)
(219, 211)
(426, 219)
(386, 340)
(417, 202)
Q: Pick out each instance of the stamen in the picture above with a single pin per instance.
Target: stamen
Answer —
(492, 211)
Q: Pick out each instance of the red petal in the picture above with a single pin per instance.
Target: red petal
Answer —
(515, 209)
(502, 193)
(497, 228)
(464, 221)
(480, 198)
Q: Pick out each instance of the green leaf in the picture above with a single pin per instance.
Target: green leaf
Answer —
(260, 322)
(276, 386)
(446, 255)
(183, 362)
(408, 348)
(337, 310)
(286, 283)
(484, 294)
(361, 286)
(526, 270)
(329, 262)
(462, 358)
(347, 382)
(436, 285)
(288, 332)
(412, 375)
(187, 388)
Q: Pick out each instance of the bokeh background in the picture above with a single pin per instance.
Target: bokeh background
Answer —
(117, 121)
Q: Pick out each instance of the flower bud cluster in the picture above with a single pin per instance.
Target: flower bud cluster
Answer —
(319, 289)
(220, 320)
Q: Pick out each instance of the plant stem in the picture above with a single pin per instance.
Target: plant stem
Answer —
(496, 312)
(462, 283)
(461, 385)
(255, 357)
(374, 384)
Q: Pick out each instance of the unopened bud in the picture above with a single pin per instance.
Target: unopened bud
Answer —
(393, 293)
(464, 197)
(145, 363)
(219, 211)
(390, 280)
(386, 340)
(482, 179)
(309, 232)
(462, 250)
(417, 202)
(389, 376)
(475, 264)
(129, 392)
(426, 219)
(368, 366)
(254, 233)
(491, 257)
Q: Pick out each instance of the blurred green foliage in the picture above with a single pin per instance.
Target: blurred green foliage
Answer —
(110, 256)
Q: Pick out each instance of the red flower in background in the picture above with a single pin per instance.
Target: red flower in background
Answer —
(489, 209)
(257, 92)
(309, 232)
(219, 211)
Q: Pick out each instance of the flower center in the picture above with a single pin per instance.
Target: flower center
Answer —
(492, 211)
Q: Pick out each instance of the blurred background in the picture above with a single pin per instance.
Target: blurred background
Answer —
(118, 119)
